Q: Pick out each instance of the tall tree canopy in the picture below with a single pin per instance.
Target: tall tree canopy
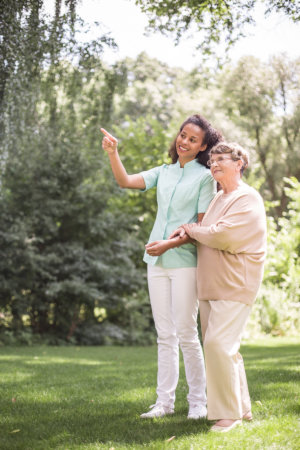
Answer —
(264, 100)
(217, 21)
(65, 256)
(71, 242)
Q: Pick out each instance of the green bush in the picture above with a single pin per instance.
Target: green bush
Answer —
(277, 309)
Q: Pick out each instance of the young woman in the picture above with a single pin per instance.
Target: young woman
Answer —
(185, 188)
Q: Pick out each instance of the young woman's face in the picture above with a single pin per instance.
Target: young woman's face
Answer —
(189, 143)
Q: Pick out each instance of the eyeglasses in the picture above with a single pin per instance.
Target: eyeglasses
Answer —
(219, 160)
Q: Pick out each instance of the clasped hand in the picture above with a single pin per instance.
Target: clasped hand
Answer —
(179, 232)
(157, 248)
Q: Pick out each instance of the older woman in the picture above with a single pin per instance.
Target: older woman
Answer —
(231, 251)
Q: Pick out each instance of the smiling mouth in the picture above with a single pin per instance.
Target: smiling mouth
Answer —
(182, 149)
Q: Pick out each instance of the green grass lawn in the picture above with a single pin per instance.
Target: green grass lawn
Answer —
(91, 398)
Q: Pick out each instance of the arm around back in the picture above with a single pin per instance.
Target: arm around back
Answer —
(240, 227)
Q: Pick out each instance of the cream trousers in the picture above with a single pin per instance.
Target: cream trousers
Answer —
(222, 325)
(173, 297)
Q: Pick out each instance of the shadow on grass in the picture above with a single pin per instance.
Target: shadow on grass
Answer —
(66, 397)
(59, 425)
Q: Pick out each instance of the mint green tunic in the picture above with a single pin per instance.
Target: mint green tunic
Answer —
(182, 193)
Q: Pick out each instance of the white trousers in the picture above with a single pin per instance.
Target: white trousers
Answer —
(222, 325)
(173, 297)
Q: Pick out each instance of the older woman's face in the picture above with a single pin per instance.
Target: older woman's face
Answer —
(223, 167)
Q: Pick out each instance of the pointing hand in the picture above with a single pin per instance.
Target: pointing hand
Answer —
(109, 143)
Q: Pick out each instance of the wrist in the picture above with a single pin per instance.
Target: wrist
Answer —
(173, 243)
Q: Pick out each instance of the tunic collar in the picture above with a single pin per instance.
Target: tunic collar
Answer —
(189, 165)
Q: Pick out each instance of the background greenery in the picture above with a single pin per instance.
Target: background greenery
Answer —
(71, 241)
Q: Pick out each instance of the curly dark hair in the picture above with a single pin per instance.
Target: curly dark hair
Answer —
(211, 138)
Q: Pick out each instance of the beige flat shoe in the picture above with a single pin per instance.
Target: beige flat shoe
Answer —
(248, 416)
(219, 429)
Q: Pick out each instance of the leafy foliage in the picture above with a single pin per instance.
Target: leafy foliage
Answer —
(70, 252)
(277, 308)
(263, 99)
(71, 241)
(63, 251)
(215, 21)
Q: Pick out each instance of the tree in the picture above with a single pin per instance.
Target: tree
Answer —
(151, 90)
(64, 254)
(71, 241)
(216, 21)
(277, 308)
(63, 251)
(263, 99)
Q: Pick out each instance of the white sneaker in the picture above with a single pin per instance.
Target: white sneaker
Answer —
(197, 412)
(158, 410)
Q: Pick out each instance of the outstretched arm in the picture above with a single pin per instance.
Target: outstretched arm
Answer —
(110, 145)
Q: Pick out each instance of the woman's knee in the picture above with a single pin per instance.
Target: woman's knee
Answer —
(188, 337)
(167, 338)
(213, 345)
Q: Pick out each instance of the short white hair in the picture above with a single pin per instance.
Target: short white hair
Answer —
(237, 152)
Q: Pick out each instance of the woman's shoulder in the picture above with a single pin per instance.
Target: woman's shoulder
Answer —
(244, 191)
(204, 174)
(250, 191)
(246, 197)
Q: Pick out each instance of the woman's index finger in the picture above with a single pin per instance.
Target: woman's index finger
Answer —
(106, 133)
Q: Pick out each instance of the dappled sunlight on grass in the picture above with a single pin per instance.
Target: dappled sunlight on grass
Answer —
(92, 397)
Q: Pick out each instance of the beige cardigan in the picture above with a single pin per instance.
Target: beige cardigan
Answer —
(231, 246)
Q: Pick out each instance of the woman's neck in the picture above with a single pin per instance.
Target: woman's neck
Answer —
(184, 161)
(230, 185)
